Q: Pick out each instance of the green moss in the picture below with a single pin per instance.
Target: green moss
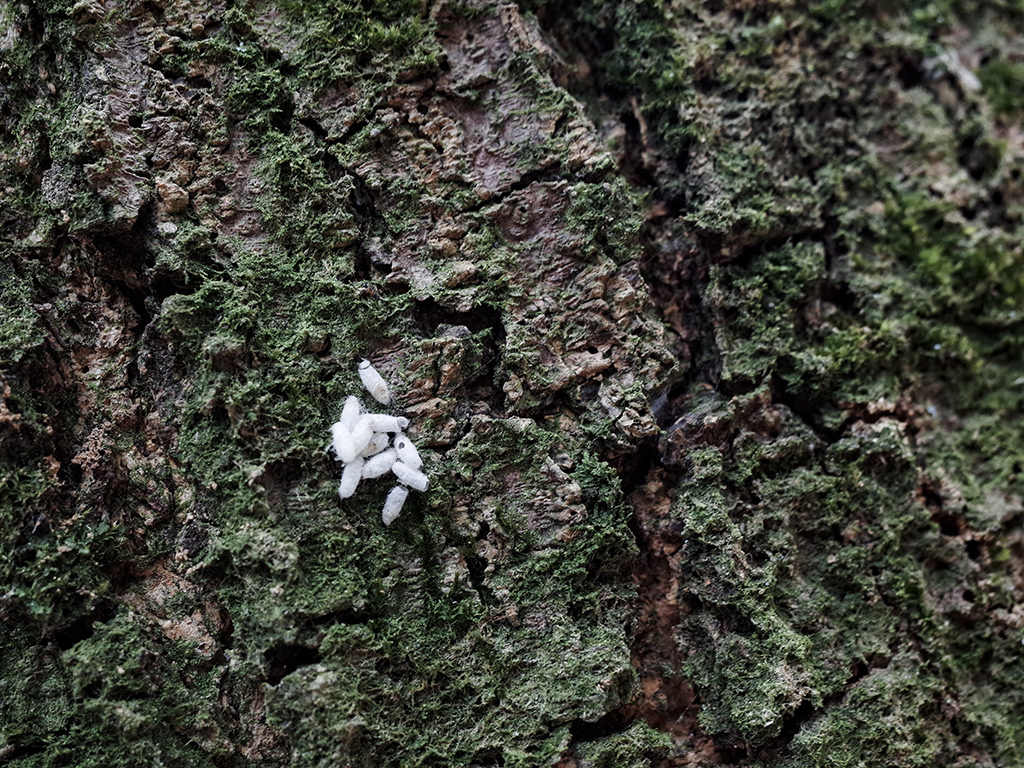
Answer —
(836, 291)
(827, 613)
(36, 697)
(960, 272)
(1003, 83)
(885, 715)
(121, 697)
(414, 656)
(848, 581)
(335, 43)
(20, 329)
(639, 746)
(615, 237)
(257, 413)
(799, 582)
(58, 555)
(767, 332)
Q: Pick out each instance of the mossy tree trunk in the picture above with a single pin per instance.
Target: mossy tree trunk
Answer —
(708, 319)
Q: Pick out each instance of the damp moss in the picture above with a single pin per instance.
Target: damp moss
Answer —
(772, 326)
(885, 716)
(330, 43)
(36, 111)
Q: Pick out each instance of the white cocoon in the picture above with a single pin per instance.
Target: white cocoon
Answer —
(377, 443)
(384, 423)
(350, 478)
(362, 433)
(341, 440)
(379, 464)
(409, 476)
(407, 453)
(393, 504)
(350, 413)
(374, 382)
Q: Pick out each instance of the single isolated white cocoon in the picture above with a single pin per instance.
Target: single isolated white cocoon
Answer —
(374, 382)
(384, 423)
(379, 464)
(407, 453)
(393, 504)
(350, 478)
(409, 476)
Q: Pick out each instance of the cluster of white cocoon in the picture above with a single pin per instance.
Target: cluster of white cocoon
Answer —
(362, 442)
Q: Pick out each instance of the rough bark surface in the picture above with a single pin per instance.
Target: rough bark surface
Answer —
(708, 319)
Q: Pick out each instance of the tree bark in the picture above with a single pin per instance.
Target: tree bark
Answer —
(708, 321)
